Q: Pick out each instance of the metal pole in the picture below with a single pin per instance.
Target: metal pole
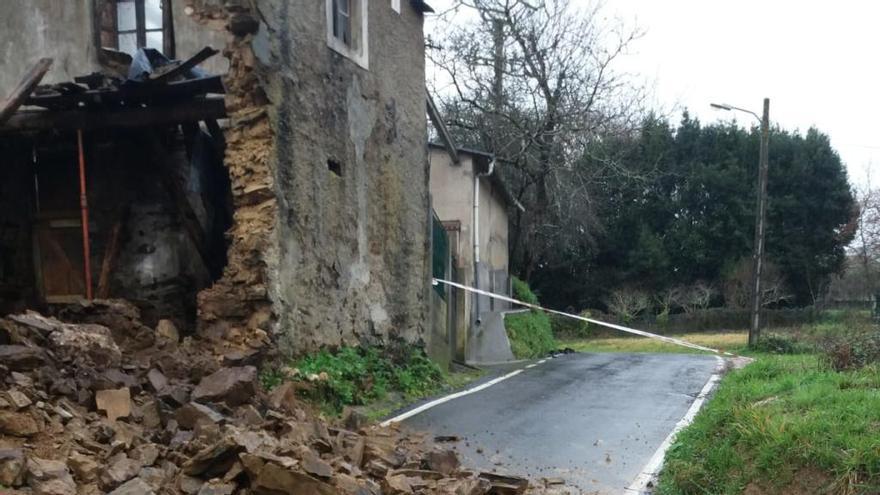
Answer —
(761, 215)
(84, 210)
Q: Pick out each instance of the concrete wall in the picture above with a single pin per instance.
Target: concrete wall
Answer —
(32, 29)
(64, 31)
(350, 165)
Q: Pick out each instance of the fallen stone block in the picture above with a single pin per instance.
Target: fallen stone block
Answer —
(234, 386)
(115, 403)
(18, 424)
(21, 358)
(12, 464)
(134, 486)
(48, 477)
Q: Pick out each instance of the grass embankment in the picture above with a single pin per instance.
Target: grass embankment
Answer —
(784, 424)
(529, 332)
(803, 421)
(378, 379)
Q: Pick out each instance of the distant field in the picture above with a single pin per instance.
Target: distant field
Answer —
(729, 341)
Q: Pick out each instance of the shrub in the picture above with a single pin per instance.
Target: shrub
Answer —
(522, 291)
(781, 344)
(852, 351)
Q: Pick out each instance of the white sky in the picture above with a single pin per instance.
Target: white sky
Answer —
(817, 61)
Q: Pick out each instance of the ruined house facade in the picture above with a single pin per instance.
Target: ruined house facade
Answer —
(322, 208)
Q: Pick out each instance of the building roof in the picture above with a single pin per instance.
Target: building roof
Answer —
(421, 6)
(482, 161)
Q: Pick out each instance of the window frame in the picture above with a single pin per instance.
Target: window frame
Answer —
(357, 47)
(107, 23)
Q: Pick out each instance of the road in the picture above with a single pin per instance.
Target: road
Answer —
(594, 420)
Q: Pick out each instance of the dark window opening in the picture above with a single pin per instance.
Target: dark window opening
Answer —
(334, 167)
(342, 21)
(127, 25)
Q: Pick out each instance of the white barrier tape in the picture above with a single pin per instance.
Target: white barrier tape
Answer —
(643, 333)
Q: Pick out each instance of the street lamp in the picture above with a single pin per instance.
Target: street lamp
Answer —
(760, 216)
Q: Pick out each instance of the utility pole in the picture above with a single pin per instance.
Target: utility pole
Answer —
(760, 221)
(760, 217)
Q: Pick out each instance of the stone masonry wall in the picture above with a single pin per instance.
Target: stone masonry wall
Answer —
(330, 181)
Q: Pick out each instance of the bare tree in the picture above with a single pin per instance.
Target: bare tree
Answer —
(627, 303)
(671, 298)
(865, 247)
(532, 81)
(737, 287)
(698, 297)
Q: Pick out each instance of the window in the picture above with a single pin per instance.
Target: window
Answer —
(342, 21)
(127, 25)
(347, 29)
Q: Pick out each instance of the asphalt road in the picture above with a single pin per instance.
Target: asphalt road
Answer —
(594, 420)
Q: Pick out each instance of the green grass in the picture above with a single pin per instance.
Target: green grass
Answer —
(382, 378)
(730, 341)
(778, 422)
(530, 333)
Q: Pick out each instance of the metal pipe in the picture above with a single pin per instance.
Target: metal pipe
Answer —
(477, 236)
(84, 210)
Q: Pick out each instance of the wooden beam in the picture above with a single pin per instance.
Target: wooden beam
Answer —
(130, 94)
(24, 88)
(185, 66)
(69, 120)
(111, 252)
(442, 130)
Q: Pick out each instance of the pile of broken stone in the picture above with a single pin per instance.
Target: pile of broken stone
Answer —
(100, 403)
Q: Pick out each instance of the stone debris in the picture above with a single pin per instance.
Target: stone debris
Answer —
(115, 403)
(84, 413)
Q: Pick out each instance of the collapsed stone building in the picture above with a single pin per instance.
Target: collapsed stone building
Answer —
(297, 204)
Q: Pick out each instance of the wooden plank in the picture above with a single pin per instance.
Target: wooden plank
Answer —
(442, 130)
(24, 88)
(70, 120)
(111, 251)
(204, 54)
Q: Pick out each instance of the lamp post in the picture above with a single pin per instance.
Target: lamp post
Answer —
(760, 217)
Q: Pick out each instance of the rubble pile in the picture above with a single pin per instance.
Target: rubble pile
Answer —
(89, 408)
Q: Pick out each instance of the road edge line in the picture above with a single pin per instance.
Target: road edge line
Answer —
(441, 400)
(652, 468)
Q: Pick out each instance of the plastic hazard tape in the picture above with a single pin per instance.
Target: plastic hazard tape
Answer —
(621, 328)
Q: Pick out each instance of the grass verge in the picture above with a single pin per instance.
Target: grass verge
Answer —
(530, 332)
(730, 341)
(382, 379)
(784, 424)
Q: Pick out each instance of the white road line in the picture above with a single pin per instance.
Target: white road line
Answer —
(652, 468)
(441, 400)
(531, 365)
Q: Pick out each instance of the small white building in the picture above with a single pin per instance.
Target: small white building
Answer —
(472, 203)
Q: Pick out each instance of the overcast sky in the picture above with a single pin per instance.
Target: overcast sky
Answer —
(817, 61)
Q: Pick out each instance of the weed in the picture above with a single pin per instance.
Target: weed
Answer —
(358, 376)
